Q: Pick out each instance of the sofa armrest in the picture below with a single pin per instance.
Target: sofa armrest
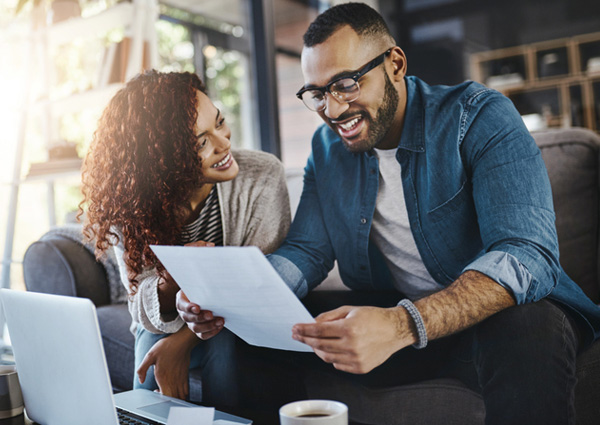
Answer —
(59, 265)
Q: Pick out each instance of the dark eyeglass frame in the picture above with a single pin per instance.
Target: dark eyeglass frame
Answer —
(354, 76)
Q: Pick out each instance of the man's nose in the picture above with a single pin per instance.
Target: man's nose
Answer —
(334, 107)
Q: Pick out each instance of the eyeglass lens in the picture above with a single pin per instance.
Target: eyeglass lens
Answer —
(344, 90)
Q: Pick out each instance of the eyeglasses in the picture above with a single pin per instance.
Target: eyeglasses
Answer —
(345, 89)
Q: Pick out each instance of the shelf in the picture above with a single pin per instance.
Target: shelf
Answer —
(98, 97)
(552, 62)
(52, 176)
(589, 54)
(117, 16)
(54, 169)
(555, 82)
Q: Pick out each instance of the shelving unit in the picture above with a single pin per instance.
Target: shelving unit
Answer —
(559, 80)
(137, 18)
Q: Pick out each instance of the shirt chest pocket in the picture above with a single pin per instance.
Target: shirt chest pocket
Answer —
(458, 206)
(452, 227)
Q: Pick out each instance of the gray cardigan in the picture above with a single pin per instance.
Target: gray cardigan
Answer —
(255, 210)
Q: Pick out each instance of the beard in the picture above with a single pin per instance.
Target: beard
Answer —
(380, 126)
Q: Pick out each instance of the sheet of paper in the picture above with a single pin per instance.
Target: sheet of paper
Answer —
(240, 285)
(191, 416)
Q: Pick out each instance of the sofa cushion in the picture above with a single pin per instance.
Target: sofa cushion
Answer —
(571, 157)
(59, 265)
(588, 386)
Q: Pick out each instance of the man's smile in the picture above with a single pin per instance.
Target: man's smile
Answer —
(350, 127)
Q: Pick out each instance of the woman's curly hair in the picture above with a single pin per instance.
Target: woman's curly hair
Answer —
(142, 166)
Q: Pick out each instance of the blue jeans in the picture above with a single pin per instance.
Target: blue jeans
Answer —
(215, 357)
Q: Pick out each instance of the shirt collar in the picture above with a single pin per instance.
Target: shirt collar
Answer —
(413, 132)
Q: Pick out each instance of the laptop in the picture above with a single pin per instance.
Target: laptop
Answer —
(62, 369)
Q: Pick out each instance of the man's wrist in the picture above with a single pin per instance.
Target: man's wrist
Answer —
(406, 329)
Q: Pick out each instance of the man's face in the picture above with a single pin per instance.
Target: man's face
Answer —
(365, 122)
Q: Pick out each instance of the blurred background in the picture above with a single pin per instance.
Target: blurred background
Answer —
(62, 60)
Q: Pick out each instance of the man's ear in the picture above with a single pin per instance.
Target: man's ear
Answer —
(398, 59)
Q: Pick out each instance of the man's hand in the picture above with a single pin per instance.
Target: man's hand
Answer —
(357, 339)
(201, 322)
(171, 359)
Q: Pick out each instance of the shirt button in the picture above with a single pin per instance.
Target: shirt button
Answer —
(372, 171)
(363, 267)
(363, 220)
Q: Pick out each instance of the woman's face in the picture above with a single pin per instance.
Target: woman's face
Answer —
(218, 164)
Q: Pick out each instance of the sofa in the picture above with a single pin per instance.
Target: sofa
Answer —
(60, 264)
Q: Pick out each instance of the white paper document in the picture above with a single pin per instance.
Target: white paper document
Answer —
(240, 285)
(191, 416)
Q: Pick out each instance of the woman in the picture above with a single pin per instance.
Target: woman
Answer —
(160, 170)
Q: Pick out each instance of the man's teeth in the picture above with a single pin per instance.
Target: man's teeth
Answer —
(222, 162)
(350, 124)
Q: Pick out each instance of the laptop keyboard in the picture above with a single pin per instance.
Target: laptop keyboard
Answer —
(128, 418)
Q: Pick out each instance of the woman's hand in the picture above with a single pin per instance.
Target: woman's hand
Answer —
(201, 322)
(200, 243)
(171, 359)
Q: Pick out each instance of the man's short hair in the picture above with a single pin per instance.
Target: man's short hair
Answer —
(364, 20)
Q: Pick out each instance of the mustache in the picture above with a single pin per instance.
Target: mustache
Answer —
(347, 115)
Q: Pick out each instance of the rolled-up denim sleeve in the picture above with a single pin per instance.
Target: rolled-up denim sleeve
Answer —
(290, 274)
(506, 270)
(513, 200)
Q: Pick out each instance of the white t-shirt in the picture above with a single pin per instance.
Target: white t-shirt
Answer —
(391, 232)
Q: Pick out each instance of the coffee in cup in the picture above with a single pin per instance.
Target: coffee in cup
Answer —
(314, 412)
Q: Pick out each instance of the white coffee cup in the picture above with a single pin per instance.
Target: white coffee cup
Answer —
(314, 412)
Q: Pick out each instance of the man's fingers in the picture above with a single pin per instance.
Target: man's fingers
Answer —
(319, 330)
(332, 346)
(333, 358)
(342, 361)
(338, 313)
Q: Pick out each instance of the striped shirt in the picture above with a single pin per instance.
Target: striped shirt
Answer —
(208, 226)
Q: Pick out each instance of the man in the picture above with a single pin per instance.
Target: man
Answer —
(441, 194)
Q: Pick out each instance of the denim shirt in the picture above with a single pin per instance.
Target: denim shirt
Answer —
(477, 195)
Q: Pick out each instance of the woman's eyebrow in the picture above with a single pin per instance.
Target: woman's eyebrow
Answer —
(216, 120)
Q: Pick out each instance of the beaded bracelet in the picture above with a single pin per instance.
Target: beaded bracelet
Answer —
(416, 316)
